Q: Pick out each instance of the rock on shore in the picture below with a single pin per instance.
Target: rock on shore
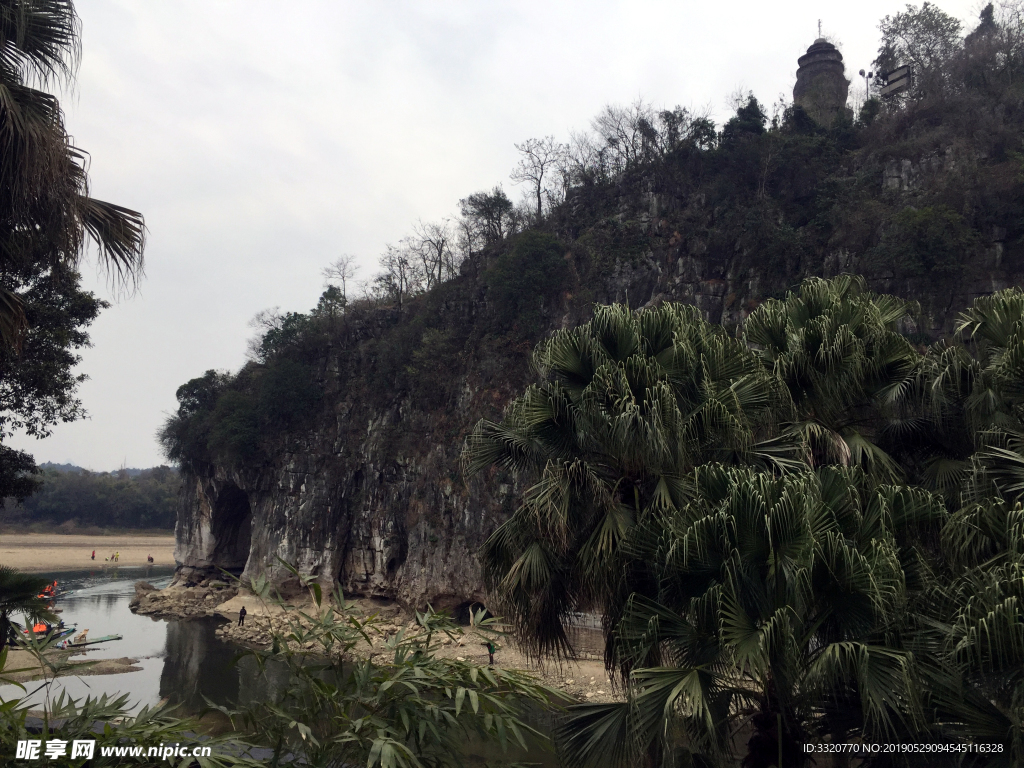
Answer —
(180, 602)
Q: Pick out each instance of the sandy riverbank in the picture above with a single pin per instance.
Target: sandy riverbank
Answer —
(68, 663)
(71, 552)
(583, 679)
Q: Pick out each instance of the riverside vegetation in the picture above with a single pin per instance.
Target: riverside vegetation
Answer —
(333, 706)
(795, 500)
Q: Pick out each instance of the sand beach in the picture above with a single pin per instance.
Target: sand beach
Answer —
(71, 552)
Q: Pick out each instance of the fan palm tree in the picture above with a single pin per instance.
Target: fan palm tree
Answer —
(779, 606)
(628, 403)
(994, 325)
(19, 595)
(839, 349)
(978, 689)
(46, 212)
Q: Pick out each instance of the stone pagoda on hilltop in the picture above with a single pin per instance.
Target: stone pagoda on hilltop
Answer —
(821, 85)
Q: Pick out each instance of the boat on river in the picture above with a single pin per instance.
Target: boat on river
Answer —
(46, 631)
(93, 641)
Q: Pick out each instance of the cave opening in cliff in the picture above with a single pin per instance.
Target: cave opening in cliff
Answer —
(231, 525)
(463, 612)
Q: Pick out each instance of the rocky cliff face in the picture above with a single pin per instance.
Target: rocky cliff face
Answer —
(370, 495)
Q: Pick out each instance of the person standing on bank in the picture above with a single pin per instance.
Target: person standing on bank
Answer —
(94, 554)
(490, 653)
(241, 616)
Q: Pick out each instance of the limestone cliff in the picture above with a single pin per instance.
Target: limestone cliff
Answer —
(367, 490)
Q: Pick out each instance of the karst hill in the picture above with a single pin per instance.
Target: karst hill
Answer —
(337, 447)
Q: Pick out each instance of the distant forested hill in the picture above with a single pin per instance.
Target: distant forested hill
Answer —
(72, 496)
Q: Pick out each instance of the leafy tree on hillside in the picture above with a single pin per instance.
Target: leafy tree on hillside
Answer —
(531, 273)
(490, 217)
(925, 38)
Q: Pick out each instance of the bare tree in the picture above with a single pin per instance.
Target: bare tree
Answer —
(341, 270)
(402, 276)
(626, 132)
(582, 162)
(539, 160)
(262, 322)
(432, 243)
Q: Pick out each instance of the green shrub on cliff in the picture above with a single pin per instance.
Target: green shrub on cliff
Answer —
(933, 240)
(523, 278)
(231, 419)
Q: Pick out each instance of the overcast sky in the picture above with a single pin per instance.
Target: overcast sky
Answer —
(263, 139)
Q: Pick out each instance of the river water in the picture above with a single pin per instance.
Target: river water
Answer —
(182, 661)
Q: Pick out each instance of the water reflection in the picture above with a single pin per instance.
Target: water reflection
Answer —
(198, 666)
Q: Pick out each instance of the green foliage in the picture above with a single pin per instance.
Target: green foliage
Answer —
(229, 419)
(46, 213)
(287, 393)
(18, 474)
(523, 279)
(331, 305)
(837, 348)
(38, 384)
(627, 404)
(46, 219)
(749, 120)
(776, 599)
(932, 242)
(925, 38)
(116, 499)
(234, 429)
(290, 335)
(489, 216)
(820, 603)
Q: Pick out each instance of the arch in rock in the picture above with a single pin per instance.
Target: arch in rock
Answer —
(231, 528)
(463, 612)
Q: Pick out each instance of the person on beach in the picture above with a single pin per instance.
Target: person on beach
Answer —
(94, 554)
(241, 616)
(117, 556)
